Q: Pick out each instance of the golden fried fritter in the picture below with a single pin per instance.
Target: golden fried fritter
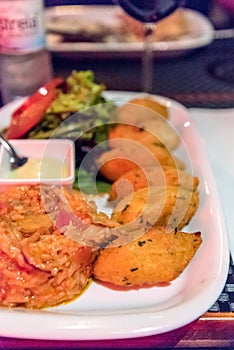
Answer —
(151, 176)
(138, 109)
(155, 130)
(170, 206)
(117, 161)
(157, 257)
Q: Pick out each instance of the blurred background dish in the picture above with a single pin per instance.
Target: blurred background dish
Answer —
(107, 30)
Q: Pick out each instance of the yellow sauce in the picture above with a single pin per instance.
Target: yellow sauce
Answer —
(46, 168)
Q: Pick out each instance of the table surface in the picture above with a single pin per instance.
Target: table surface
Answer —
(188, 79)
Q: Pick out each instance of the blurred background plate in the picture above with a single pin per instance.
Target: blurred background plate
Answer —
(86, 30)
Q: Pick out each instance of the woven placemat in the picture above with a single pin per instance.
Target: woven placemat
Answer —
(225, 302)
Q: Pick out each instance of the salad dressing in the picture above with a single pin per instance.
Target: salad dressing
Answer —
(46, 168)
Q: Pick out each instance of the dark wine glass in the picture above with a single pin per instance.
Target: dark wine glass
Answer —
(149, 12)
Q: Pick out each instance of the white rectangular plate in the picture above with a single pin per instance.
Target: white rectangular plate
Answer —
(102, 313)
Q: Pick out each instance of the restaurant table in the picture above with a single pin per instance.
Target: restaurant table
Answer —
(195, 80)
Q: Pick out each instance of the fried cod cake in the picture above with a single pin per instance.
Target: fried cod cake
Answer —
(151, 176)
(157, 257)
(171, 206)
(156, 130)
(114, 163)
(138, 109)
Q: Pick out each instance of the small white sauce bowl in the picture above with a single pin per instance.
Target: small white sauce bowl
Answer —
(56, 157)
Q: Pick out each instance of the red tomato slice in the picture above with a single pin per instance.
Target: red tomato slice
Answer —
(32, 110)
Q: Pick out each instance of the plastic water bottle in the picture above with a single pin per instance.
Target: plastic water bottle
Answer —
(25, 64)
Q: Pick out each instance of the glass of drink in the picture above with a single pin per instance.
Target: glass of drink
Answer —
(149, 12)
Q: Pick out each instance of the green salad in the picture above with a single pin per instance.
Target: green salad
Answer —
(79, 94)
(81, 113)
